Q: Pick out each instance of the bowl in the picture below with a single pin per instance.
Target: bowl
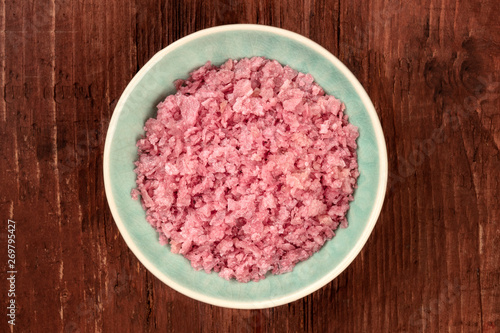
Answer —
(155, 81)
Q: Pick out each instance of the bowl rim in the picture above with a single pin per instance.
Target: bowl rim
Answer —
(379, 198)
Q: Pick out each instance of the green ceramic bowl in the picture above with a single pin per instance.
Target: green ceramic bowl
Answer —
(155, 81)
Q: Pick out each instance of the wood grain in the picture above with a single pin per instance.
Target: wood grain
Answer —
(431, 69)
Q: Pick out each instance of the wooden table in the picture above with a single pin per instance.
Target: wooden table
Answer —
(432, 71)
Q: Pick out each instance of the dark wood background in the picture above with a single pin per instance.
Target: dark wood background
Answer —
(432, 70)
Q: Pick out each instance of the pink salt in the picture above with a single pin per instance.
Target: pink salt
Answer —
(248, 169)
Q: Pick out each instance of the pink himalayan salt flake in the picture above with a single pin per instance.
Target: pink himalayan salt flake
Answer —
(248, 169)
